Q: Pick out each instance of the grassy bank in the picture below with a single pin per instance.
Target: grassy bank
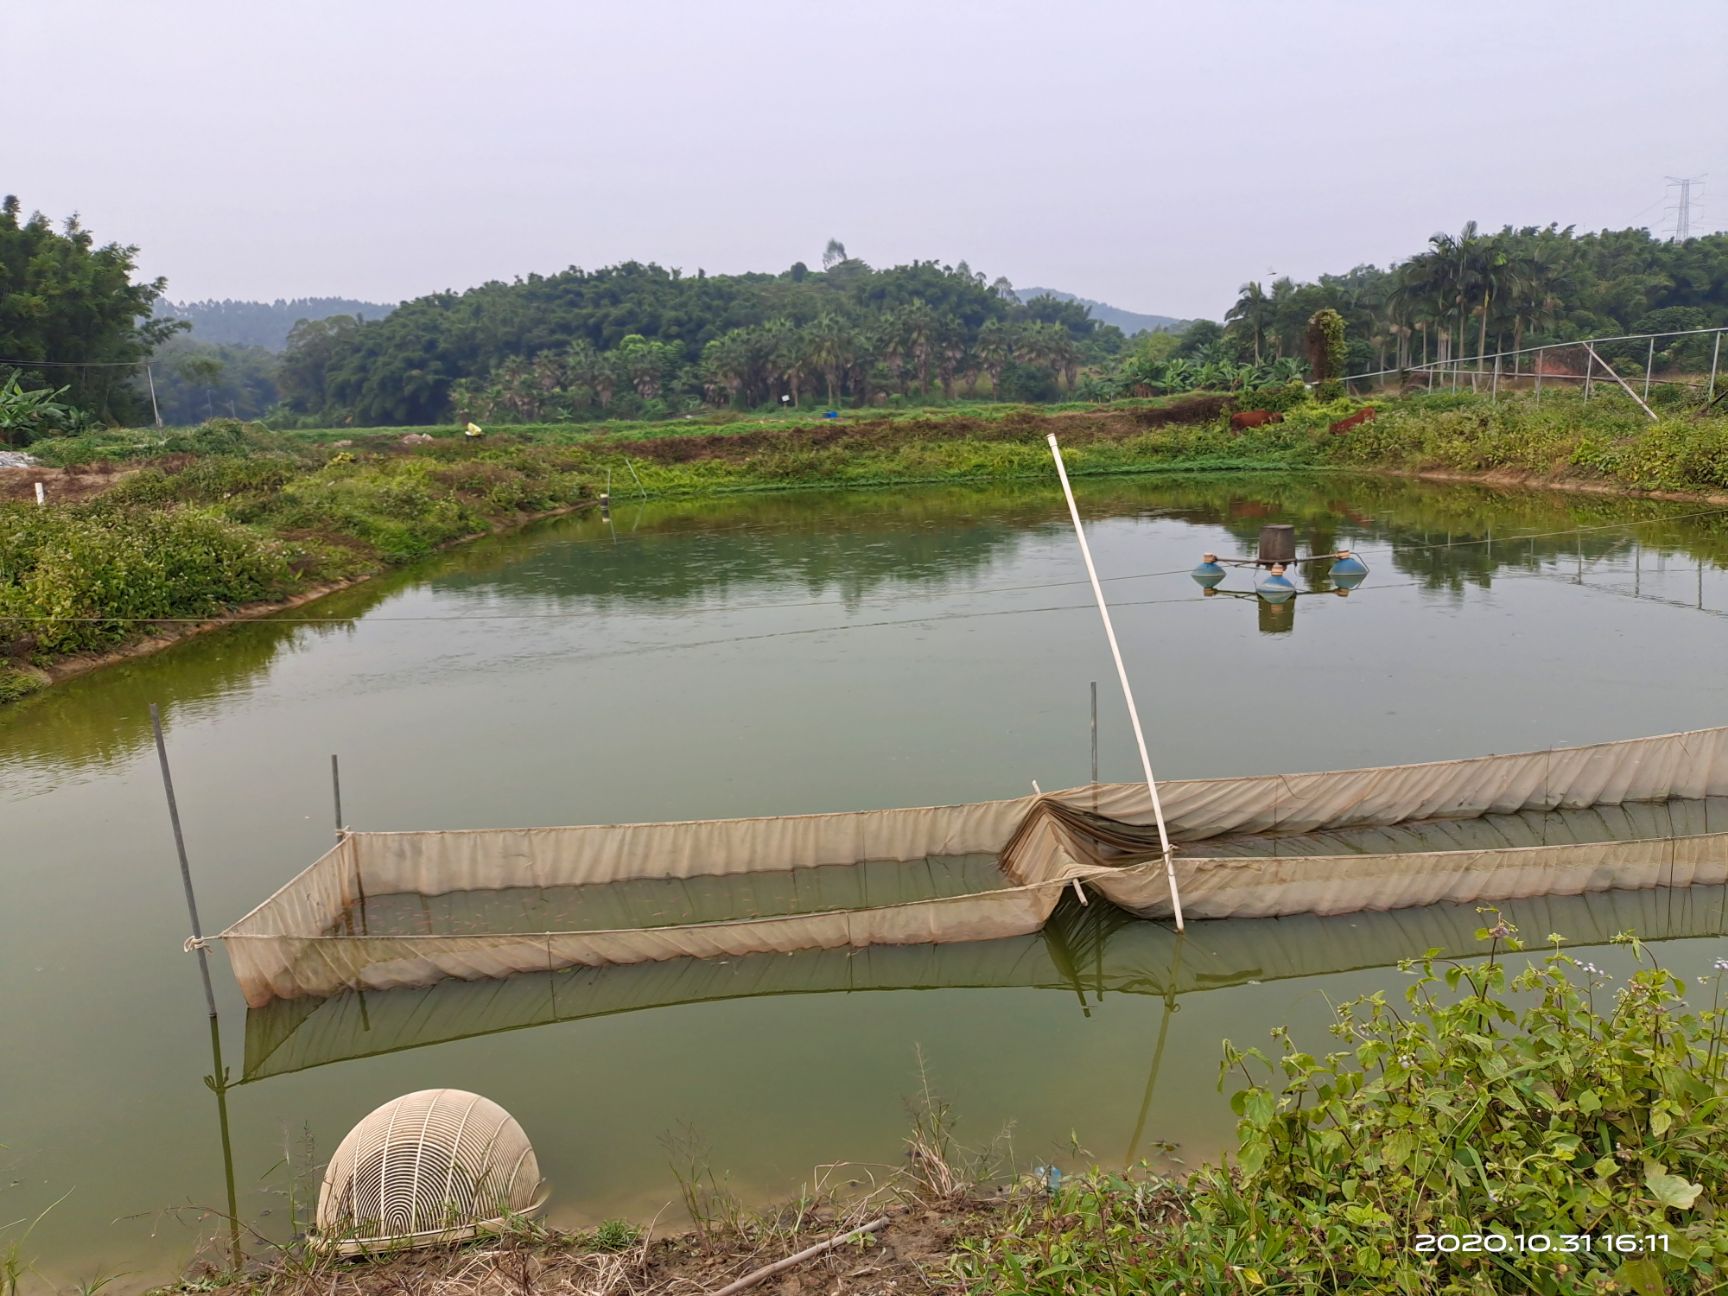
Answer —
(151, 532)
(1509, 1096)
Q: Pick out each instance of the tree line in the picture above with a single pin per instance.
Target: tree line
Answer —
(1476, 293)
(641, 340)
(73, 322)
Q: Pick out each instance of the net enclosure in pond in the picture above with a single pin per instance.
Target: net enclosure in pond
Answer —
(388, 909)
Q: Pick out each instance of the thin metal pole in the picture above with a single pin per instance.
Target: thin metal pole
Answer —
(1494, 390)
(1589, 369)
(1715, 355)
(1094, 733)
(639, 489)
(1609, 370)
(1539, 355)
(1122, 675)
(1649, 364)
(180, 847)
(151, 379)
(336, 791)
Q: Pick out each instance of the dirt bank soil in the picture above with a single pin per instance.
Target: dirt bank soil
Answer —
(60, 485)
(911, 1255)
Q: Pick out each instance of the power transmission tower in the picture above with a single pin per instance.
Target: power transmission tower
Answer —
(1691, 188)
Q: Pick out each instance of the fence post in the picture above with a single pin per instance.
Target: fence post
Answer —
(1494, 391)
(1649, 364)
(1715, 355)
(1589, 369)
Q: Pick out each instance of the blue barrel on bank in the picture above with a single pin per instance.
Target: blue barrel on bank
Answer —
(1349, 571)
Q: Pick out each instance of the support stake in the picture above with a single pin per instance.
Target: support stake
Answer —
(336, 792)
(1094, 733)
(1122, 675)
(180, 848)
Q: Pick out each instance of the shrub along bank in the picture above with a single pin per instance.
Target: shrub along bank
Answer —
(204, 521)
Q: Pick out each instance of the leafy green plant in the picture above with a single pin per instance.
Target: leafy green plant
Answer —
(616, 1235)
(1571, 1127)
(27, 413)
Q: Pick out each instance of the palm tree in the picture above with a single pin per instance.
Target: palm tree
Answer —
(996, 347)
(586, 367)
(918, 338)
(785, 350)
(830, 344)
(1253, 313)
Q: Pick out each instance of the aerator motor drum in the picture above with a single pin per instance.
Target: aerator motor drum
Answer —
(440, 1165)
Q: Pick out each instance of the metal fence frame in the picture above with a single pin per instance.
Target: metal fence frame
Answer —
(1481, 368)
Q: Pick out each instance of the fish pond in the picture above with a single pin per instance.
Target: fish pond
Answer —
(783, 654)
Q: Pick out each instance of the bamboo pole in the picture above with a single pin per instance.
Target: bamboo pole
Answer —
(180, 849)
(808, 1253)
(1122, 675)
(1094, 733)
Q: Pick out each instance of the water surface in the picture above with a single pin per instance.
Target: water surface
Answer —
(783, 654)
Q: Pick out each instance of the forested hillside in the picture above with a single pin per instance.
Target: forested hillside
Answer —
(261, 324)
(640, 340)
(1130, 322)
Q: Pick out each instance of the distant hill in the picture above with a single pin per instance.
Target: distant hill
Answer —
(262, 324)
(1130, 322)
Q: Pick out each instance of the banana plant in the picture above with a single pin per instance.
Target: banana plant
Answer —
(24, 412)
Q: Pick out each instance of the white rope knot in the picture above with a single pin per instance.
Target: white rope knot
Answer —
(195, 943)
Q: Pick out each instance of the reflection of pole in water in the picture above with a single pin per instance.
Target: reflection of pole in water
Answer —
(1170, 1007)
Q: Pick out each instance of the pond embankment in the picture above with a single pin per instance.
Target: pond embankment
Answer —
(233, 520)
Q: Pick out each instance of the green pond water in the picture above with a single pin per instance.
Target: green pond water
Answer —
(785, 654)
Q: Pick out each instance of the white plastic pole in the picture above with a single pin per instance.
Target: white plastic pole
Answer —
(1122, 675)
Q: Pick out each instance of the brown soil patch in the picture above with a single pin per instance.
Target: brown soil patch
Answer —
(60, 485)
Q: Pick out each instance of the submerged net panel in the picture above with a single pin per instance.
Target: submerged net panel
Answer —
(636, 893)
(673, 902)
(1089, 952)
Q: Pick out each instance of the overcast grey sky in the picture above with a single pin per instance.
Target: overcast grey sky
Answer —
(1152, 155)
